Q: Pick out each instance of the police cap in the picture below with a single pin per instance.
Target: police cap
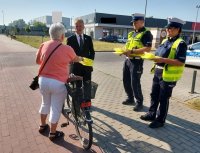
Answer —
(137, 16)
(175, 22)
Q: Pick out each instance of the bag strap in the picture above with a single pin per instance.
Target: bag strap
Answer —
(41, 68)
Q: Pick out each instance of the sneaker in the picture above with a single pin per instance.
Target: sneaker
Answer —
(128, 102)
(147, 117)
(138, 107)
(156, 124)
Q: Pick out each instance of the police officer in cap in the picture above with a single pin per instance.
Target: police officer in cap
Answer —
(139, 41)
(168, 69)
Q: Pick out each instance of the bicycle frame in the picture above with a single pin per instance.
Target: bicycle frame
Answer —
(80, 112)
(80, 99)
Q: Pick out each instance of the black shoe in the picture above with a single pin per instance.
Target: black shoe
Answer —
(58, 134)
(43, 128)
(147, 117)
(156, 124)
(138, 107)
(128, 102)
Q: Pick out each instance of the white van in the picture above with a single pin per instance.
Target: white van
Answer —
(193, 55)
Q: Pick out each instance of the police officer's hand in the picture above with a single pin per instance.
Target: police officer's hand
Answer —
(127, 53)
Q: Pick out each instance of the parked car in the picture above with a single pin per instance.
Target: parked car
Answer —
(109, 39)
(193, 55)
(122, 39)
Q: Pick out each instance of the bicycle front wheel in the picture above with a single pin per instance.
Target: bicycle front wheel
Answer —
(84, 130)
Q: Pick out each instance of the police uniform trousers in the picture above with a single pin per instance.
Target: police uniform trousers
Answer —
(160, 94)
(132, 71)
(86, 73)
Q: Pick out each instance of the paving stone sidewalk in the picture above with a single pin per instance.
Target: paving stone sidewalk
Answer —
(117, 128)
(120, 127)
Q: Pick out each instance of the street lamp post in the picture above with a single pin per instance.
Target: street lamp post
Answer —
(3, 16)
(94, 23)
(145, 11)
(198, 6)
(71, 25)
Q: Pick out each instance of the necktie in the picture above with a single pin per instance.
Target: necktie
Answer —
(81, 42)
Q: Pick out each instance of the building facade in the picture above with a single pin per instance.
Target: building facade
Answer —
(98, 25)
(48, 20)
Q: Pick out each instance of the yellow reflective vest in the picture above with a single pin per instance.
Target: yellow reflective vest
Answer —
(172, 73)
(135, 42)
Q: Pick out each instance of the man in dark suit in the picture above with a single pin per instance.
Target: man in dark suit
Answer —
(83, 46)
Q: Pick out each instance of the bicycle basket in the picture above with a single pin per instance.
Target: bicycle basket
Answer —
(93, 89)
(90, 89)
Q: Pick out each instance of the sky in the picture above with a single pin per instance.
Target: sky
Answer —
(29, 9)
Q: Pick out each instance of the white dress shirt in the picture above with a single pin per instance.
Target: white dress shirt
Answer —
(78, 38)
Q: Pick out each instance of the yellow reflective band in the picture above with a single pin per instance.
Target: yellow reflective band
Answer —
(149, 56)
(87, 61)
(119, 51)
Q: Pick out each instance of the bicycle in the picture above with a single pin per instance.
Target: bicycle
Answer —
(77, 111)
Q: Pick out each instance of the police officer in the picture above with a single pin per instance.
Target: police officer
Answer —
(167, 71)
(139, 41)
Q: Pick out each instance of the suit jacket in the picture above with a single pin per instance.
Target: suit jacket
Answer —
(88, 49)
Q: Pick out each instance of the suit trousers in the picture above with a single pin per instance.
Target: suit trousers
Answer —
(86, 73)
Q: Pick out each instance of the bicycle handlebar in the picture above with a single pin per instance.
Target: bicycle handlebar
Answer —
(74, 78)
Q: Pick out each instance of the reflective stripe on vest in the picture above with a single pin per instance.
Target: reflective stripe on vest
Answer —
(173, 73)
(135, 42)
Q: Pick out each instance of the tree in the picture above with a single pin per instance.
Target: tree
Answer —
(12, 30)
(20, 23)
(46, 31)
(27, 29)
(39, 26)
(17, 30)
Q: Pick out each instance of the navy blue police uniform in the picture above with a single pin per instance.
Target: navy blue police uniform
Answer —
(162, 90)
(133, 69)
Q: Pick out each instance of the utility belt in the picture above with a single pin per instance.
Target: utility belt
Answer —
(135, 58)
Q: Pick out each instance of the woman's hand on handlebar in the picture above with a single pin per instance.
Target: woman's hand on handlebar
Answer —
(73, 77)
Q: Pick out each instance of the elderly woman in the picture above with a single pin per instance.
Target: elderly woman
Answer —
(53, 76)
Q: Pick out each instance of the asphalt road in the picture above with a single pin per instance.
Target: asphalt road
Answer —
(112, 64)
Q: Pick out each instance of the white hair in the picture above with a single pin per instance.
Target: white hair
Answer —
(56, 30)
